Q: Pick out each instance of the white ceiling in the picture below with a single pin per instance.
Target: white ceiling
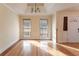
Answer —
(51, 8)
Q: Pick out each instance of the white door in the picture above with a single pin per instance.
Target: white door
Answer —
(73, 29)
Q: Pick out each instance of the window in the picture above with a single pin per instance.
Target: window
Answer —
(43, 29)
(27, 28)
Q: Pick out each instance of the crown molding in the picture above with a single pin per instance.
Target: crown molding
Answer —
(9, 8)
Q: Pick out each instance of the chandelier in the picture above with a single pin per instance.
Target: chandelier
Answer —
(35, 7)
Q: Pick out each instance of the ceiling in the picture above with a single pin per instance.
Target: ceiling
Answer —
(21, 8)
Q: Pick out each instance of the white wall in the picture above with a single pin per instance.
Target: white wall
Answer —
(9, 28)
(54, 28)
(62, 35)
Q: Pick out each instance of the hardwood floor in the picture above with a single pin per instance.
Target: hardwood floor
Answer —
(42, 48)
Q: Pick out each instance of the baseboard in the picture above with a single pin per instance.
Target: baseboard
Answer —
(35, 39)
(69, 43)
(9, 48)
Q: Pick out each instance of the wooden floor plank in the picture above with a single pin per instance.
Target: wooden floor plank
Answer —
(40, 48)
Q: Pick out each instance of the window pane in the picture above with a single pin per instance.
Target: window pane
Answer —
(27, 24)
(43, 23)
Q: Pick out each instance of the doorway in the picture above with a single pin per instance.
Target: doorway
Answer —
(73, 29)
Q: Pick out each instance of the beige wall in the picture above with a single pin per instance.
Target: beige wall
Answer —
(62, 35)
(9, 28)
(35, 26)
